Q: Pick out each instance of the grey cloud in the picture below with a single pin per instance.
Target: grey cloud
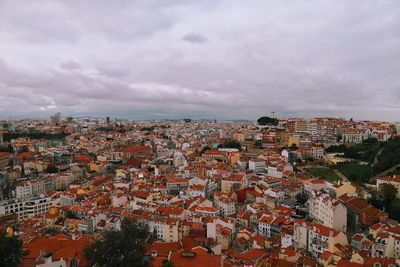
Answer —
(132, 58)
(70, 65)
(195, 38)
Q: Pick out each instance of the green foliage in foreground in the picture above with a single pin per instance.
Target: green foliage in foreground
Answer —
(121, 248)
(10, 250)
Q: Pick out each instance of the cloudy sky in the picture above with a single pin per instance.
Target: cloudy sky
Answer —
(202, 59)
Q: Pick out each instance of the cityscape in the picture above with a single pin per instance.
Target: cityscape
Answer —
(268, 192)
(200, 133)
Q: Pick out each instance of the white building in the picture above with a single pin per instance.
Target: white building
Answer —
(225, 203)
(317, 152)
(356, 136)
(26, 207)
(257, 165)
(23, 190)
(328, 212)
(212, 227)
(264, 225)
(207, 211)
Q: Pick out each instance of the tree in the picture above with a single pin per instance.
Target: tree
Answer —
(370, 141)
(231, 144)
(51, 169)
(23, 149)
(267, 121)
(388, 192)
(302, 198)
(394, 129)
(376, 200)
(258, 143)
(10, 250)
(293, 147)
(205, 149)
(167, 263)
(394, 209)
(8, 148)
(121, 248)
(353, 177)
(51, 231)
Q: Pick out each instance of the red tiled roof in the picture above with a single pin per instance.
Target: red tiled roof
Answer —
(180, 260)
(4, 154)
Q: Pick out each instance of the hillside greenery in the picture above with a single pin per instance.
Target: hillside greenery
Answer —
(377, 157)
(356, 173)
(366, 151)
(324, 173)
(389, 157)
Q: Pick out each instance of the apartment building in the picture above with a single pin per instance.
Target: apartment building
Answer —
(327, 211)
(316, 238)
(26, 207)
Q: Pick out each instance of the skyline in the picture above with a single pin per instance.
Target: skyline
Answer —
(175, 119)
(200, 59)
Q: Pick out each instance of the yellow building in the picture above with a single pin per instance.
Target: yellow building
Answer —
(170, 232)
(238, 136)
(233, 183)
(98, 168)
(142, 197)
(347, 188)
(234, 158)
(294, 140)
(224, 239)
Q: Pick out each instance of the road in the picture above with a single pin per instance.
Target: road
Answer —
(384, 173)
(338, 173)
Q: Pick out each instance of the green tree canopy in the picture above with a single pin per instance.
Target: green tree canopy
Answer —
(293, 147)
(10, 250)
(51, 169)
(167, 263)
(302, 198)
(394, 209)
(231, 144)
(388, 191)
(121, 248)
(8, 148)
(23, 149)
(205, 149)
(267, 121)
